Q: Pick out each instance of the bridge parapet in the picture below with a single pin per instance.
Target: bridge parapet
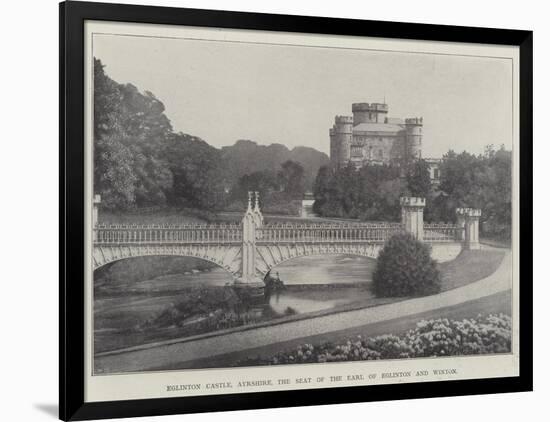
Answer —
(317, 233)
(338, 225)
(191, 226)
(443, 232)
(206, 234)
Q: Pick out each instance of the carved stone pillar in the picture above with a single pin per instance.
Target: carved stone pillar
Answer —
(95, 216)
(461, 223)
(471, 241)
(412, 216)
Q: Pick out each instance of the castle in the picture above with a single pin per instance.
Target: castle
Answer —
(370, 136)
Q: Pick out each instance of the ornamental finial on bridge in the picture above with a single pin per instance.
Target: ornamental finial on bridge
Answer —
(257, 201)
(249, 201)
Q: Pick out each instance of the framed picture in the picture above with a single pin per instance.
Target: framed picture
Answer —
(267, 210)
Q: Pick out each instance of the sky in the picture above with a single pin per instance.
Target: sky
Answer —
(225, 91)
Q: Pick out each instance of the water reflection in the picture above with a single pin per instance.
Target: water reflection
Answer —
(316, 283)
(312, 283)
(327, 270)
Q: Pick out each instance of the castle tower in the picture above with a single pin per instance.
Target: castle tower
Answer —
(369, 113)
(340, 140)
(413, 150)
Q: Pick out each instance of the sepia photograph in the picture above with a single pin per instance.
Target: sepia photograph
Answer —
(259, 203)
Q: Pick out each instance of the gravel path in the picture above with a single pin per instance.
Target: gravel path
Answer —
(162, 356)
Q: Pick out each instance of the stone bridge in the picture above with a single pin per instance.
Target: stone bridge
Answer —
(250, 249)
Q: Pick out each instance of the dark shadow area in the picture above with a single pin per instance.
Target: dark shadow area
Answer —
(49, 409)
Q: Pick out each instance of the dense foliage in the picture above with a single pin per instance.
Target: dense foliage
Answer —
(130, 129)
(483, 182)
(370, 193)
(405, 268)
(467, 180)
(139, 161)
(436, 337)
(280, 191)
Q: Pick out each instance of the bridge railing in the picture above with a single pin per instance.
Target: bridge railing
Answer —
(328, 233)
(272, 233)
(168, 234)
(443, 232)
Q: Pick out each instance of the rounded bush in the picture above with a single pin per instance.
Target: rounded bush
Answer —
(405, 268)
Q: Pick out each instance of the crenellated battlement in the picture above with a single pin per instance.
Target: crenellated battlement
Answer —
(462, 211)
(468, 212)
(417, 121)
(411, 201)
(343, 120)
(372, 107)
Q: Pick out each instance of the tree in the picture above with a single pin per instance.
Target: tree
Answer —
(114, 175)
(291, 177)
(321, 188)
(418, 179)
(405, 268)
(483, 182)
(370, 193)
(197, 179)
(264, 182)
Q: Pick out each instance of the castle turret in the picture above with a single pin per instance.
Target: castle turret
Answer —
(369, 113)
(340, 140)
(413, 138)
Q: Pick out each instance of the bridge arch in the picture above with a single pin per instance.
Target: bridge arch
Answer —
(226, 257)
(269, 256)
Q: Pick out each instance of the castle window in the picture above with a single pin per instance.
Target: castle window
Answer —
(380, 153)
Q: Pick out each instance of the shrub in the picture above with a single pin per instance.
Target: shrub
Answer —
(405, 268)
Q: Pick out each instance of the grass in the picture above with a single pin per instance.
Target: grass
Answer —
(497, 242)
(468, 267)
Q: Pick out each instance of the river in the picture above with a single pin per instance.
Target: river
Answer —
(301, 275)
(312, 283)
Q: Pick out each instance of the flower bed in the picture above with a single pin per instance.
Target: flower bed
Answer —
(437, 337)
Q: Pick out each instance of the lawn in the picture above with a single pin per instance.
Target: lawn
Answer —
(470, 266)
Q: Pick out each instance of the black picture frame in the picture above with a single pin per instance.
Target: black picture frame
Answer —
(72, 16)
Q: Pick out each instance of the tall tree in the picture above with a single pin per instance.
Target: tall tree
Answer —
(197, 179)
(418, 179)
(130, 133)
(291, 177)
(114, 175)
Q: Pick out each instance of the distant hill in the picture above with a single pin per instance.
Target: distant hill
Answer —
(245, 157)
